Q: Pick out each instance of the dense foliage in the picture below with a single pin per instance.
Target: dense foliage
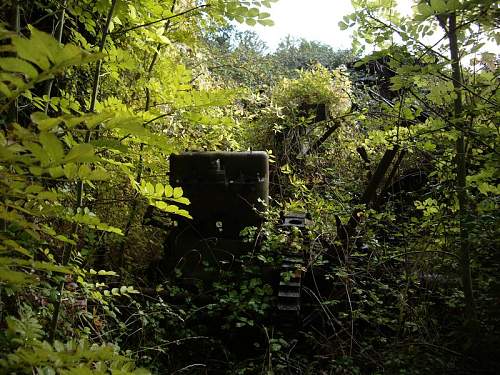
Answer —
(394, 156)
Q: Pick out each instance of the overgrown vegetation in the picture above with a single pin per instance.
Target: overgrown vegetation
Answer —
(393, 155)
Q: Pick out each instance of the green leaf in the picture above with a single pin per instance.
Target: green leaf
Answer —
(45, 122)
(109, 228)
(266, 22)
(83, 152)
(15, 277)
(38, 152)
(439, 6)
(12, 78)
(159, 189)
(50, 267)
(32, 52)
(424, 9)
(169, 191)
(48, 195)
(84, 172)
(44, 43)
(107, 273)
(241, 11)
(52, 146)
(92, 120)
(149, 189)
(477, 47)
(99, 174)
(131, 289)
(18, 248)
(34, 189)
(253, 12)
(65, 239)
(70, 170)
(178, 192)
(4, 89)
(182, 200)
(56, 172)
(36, 171)
(69, 54)
(13, 64)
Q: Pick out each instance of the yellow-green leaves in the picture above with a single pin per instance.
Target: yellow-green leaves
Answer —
(16, 65)
(429, 207)
(80, 153)
(45, 122)
(170, 208)
(158, 193)
(89, 219)
(247, 12)
(177, 194)
(38, 59)
(52, 146)
(159, 189)
(425, 9)
(44, 153)
(13, 245)
(102, 272)
(28, 51)
(122, 291)
(314, 87)
(169, 190)
(439, 6)
(16, 262)
(486, 180)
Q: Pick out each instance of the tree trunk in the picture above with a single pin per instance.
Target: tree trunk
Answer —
(347, 231)
(461, 164)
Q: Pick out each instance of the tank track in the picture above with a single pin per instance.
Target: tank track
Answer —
(290, 284)
(289, 290)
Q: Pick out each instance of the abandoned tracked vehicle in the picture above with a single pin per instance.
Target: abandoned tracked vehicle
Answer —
(229, 191)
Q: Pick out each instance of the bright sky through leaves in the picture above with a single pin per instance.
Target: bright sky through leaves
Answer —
(312, 20)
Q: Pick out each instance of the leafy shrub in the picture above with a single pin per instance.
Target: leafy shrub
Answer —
(315, 87)
(29, 354)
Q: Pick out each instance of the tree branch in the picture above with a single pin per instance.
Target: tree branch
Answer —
(399, 32)
(79, 189)
(123, 31)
